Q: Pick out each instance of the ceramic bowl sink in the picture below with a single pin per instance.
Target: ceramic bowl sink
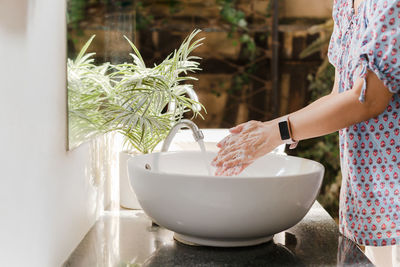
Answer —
(271, 195)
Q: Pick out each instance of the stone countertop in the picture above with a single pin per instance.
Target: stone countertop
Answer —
(128, 238)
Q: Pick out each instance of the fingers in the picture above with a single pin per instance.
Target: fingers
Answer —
(242, 129)
(239, 149)
(236, 170)
(233, 159)
(224, 141)
(219, 171)
(232, 171)
(223, 158)
(232, 163)
(222, 171)
(238, 153)
(236, 162)
(247, 126)
(237, 129)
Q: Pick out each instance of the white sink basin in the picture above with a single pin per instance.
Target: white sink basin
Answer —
(270, 196)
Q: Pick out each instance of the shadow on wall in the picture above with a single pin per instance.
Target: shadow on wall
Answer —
(10, 9)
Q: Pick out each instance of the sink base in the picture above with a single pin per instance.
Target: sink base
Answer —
(197, 241)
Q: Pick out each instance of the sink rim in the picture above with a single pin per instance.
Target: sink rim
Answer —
(318, 168)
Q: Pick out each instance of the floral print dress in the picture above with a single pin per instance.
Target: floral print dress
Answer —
(369, 39)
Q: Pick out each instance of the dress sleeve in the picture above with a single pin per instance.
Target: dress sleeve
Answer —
(333, 50)
(380, 46)
(334, 44)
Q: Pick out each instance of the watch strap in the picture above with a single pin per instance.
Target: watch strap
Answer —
(286, 133)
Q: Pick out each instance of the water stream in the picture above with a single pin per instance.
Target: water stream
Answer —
(204, 156)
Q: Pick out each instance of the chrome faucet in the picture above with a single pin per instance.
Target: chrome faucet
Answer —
(197, 133)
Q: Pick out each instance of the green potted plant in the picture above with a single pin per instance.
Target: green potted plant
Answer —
(89, 87)
(140, 103)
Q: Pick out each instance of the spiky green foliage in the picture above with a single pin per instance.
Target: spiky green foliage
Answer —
(88, 89)
(139, 102)
(148, 101)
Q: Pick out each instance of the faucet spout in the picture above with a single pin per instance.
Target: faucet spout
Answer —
(197, 133)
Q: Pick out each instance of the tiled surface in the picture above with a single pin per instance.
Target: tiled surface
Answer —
(127, 238)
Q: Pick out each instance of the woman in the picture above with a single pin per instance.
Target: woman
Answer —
(364, 107)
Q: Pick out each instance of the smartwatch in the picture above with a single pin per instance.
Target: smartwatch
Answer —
(286, 133)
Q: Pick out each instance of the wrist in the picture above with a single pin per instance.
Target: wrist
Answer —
(272, 128)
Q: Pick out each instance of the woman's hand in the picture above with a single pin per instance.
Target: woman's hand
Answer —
(246, 143)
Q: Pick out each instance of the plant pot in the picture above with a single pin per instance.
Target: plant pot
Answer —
(128, 198)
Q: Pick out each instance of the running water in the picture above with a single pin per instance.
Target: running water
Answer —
(204, 154)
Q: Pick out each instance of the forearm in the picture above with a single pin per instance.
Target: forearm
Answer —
(327, 115)
(336, 111)
(251, 140)
(314, 105)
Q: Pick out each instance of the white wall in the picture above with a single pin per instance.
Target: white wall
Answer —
(47, 203)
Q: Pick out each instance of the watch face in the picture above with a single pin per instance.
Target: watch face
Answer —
(284, 130)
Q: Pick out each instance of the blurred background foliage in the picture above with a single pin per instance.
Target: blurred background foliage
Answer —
(324, 149)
